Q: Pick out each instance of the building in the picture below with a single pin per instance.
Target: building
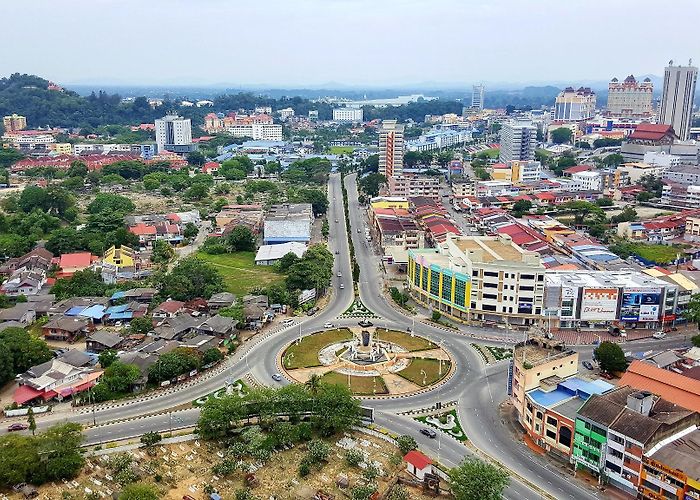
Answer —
(391, 148)
(687, 175)
(488, 279)
(661, 158)
(14, 122)
(680, 195)
(256, 131)
(348, 115)
(674, 387)
(478, 97)
(66, 328)
(414, 185)
(417, 464)
(575, 105)
(174, 133)
(677, 99)
(288, 223)
(595, 299)
(588, 180)
(439, 139)
(286, 113)
(69, 263)
(269, 255)
(672, 469)
(518, 141)
(389, 202)
(517, 171)
(636, 170)
(648, 137)
(630, 98)
(118, 264)
(33, 142)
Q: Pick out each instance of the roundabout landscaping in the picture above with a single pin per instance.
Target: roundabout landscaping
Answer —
(371, 362)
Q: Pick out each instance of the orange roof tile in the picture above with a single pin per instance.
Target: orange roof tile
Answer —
(676, 388)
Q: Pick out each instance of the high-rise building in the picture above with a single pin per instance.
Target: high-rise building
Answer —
(518, 141)
(630, 98)
(478, 96)
(14, 123)
(391, 148)
(575, 105)
(174, 133)
(677, 99)
(348, 115)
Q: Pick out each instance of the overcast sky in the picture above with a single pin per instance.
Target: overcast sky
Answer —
(353, 42)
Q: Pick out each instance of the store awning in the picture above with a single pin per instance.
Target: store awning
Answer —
(25, 393)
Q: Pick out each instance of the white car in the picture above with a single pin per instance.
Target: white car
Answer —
(342, 286)
(288, 321)
(659, 335)
(340, 275)
(328, 325)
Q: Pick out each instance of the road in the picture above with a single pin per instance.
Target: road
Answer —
(477, 388)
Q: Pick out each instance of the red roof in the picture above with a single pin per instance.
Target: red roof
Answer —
(577, 168)
(170, 306)
(417, 459)
(25, 393)
(673, 387)
(78, 259)
(142, 229)
(651, 131)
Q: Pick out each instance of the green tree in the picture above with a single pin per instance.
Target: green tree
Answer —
(604, 202)
(189, 279)
(196, 158)
(59, 449)
(86, 283)
(521, 207)
(372, 183)
(174, 363)
(65, 240)
(197, 192)
(106, 202)
(7, 372)
(107, 358)
(475, 479)
(287, 261)
(141, 325)
(582, 210)
(19, 458)
(138, 491)
(561, 135)
(191, 231)
(695, 339)
(645, 196)
(150, 439)
(692, 310)
(24, 349)
(212, 355)
(31, 421)
(610, 357)
(406, 443)
(241, 239)
(9, 157)
(162, 253)
(613, 160)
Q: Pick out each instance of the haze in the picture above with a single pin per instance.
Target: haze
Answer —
(346, 42)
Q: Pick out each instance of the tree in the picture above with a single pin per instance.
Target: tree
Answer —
(561, 135)
(610, 357)
(150, 439)
(287, 261)
(406, 443)
(141, 325)
(106, 202)
(241, 239)
(9, 156)
(695, 339)
(64, 240)
(604, 202)
(644, 196)
(7, 372)
(313, 384)
(174, 363)
(107, 358)
(652, 184)
(191, 231)
(31, 421)
(138, 491)
(197, 192)
(189, 279)
(613, 160)
(212, 355)
(162, 252)
(19, 458)
(196, 158)
(86, 283)
(582, 210)
(372, 183)
(692, 310)
(475, 479)
(521, 207)
(61, 456)
(24, 349)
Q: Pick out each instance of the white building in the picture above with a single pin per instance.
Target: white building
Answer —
(630, 98)
(518, 141)
(257, 131)
(587, 181)
(575, 105)
(439, 139)
(478, 97)
(635, 171)
(391, 148)
(662, 159)
(174, 133)
(263, 110)
(348, 115)
(286, 113)
(269, 255)
(677, 99)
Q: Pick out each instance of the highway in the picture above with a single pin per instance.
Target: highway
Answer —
(477, 388)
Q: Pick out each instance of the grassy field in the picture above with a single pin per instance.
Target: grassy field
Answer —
(491, 153)
(662, 254)
(358, 385)
(341, 150)
(431, 368)
(405, 340)
(240, 272)
(305, 353)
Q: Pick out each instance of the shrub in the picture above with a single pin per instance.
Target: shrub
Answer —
(406, 444)
(353, 458)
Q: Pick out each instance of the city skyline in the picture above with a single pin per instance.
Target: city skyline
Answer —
(353, 42)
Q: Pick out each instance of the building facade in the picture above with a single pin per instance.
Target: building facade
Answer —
(630, 98)
(518, 141)
(391, 148)
(348, 115)
(14, 122)
(257, 131)
(677, 99)
(478, 97)
(414, 185)
(174, 133)
(575, 105)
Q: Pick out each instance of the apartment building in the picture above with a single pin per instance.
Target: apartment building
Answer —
(391, 148)
(679, 195)
(575, 105)
(174, 133)
(588, 181)
(257, 131)
(630, 98)
(30, 141)
(487, 279)
(518, 141)
(348, 115)
(517, 171)
(14, 122)
(677, 99)
(414, 185)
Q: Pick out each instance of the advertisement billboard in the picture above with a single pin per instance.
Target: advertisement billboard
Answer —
(599, 304)
(640, 304)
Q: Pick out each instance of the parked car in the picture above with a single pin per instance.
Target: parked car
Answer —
(312, 311)
(288, 321)
(365, 323)
(588, 365)
(277, 377)
(17, 427)
(606, 375)
(659, 335)
(428, 432)
(328, 325)
(336, 221)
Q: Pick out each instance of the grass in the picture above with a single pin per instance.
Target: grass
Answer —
(341, 150)
(305, 353)
(363, 386)
(661, 254)
(431, 367)
(405, 340)
(240, 272)
(457, 429)
(500, 352)
(491, 153)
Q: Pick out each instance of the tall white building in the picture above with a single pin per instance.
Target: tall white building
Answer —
(518, 141)
(677, 99)
(257, 131)
(391, 148)
(286, 113)
(174, 133)
(575, 105)
(630, 98)
(478, 96)
(349, 115)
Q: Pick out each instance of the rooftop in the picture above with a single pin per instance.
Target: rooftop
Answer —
(539, 350)
(675, 387)
(682, 454)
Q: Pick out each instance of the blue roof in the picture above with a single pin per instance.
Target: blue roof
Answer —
(114, 309)
(550, 398)
(118, 295)
(121, 315)
(75, 310)
(94, 312)
(569, 388)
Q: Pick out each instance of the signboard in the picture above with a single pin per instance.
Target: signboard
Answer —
(640, 304)
(599, 304)
(307, 295)
(509, 387)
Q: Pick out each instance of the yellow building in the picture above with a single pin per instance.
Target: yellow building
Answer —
(119, 257)
(14, 122)
(389, 202)
(62, 148)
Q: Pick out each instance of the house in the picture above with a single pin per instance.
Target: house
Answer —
(66, 328)
(69, 263)
(269, 255)
(221, 300)
(24, 282)
(221, 326)
(168, 309)
(255, 307)
(145, 232)
(176, 327)
(24, 313)
(201, 343)
(38, 259)
(102, 340)
(118, 264)
(141, 295)
(143, 361)
(417, 464)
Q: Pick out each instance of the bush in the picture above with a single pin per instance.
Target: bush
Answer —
(354, 458)
(436, 315)
(406, 444)
(304, 467)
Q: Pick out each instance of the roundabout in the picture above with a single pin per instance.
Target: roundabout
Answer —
(376, 362)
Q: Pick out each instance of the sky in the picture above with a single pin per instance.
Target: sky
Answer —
(344, 42)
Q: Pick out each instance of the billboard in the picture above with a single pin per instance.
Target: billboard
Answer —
(599, 304)
(640, 304)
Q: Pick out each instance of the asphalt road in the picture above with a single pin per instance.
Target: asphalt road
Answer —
(478, 389)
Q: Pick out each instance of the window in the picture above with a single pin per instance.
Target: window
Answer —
(527, 288)
(447, 287)
(551, 420)
(487, 307)
(551, 434)
(565, 436)
(490, 296)
(460, 292)
(491, 274)
(527, 276)
(434, 282)
(539, 415)
(490, 285)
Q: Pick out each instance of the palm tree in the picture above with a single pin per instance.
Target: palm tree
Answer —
(314, 383)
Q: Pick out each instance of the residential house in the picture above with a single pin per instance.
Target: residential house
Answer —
(69, 263)
(168, 309)
(220, 326)
(65, 328)
(255, 307)
(175, 328)
(143, 361)
(23, 282)
(102, 340)
(418, 464)
(24, 313)
(200, 342)
(221, 300)
(118, 264)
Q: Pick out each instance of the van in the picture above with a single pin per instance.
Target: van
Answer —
(288, 321)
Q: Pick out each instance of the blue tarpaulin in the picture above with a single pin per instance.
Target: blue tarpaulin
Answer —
(75, 310)
(95, 312)
(114, 309)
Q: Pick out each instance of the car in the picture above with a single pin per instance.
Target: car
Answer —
(428, 432)
(342, 286)
(277, 377)
(365, 323)
(588, 365)
(336, 221)
(328, 325)
(340, 275)
(337, 252)
(606, 375)
(659, 335)
(17, 427)
(288, 321)
(358, 229)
